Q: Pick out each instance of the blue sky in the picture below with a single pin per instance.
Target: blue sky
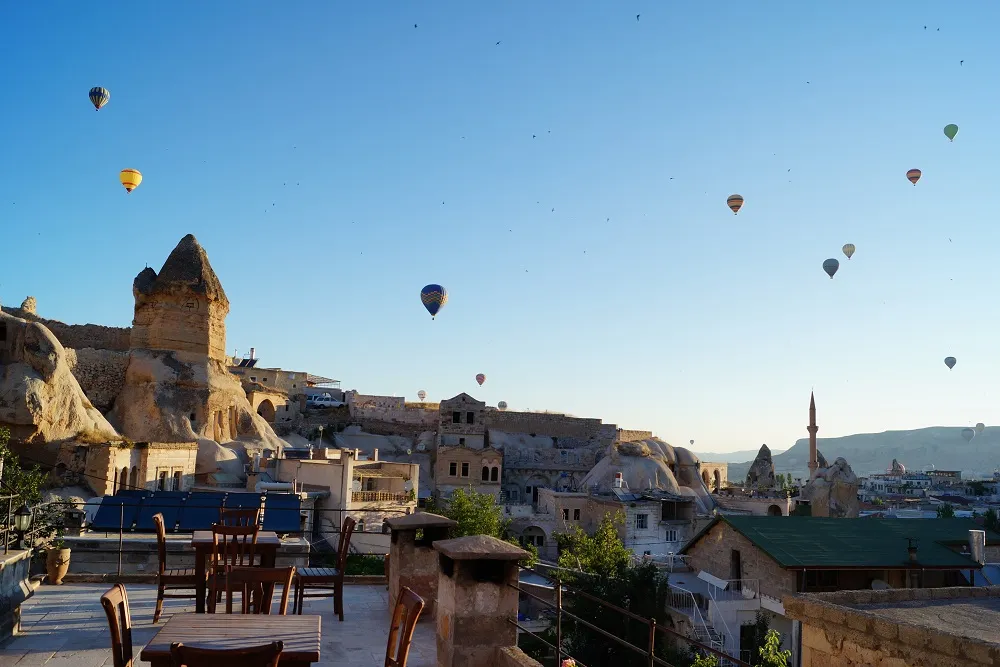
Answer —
(333, 159)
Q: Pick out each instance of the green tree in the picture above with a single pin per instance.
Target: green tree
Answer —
(26, 483)
(977, 487)
(946, 511)
(991, 521)
(602, 554)
(479, 514)
(771, 654)
(705, 661)
(753, 636)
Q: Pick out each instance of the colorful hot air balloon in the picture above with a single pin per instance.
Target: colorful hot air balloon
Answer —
(830, 266)
(968, 434)
(849, 250)
(735, 202)
(433, 297)
(421, 394)
(913, 175)
(130, 178)
(99, 97)
(980, 427)
(501, 406)
(950, 362)
(480, 379)
(950, 131)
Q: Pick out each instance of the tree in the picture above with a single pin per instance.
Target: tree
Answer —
(753, 636)
(26, 483)
(978, 488)
(771, 654)
(946, 511)
(705, 661)
(991, 521)
(602, 554)
(479, 514)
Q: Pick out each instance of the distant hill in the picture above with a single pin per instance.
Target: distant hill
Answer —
(939, 447)
(735, 457)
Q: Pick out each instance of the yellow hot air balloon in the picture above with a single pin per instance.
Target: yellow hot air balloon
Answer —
(849, 249)
(130, 178)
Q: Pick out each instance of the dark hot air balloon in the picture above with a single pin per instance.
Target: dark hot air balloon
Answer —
(502, 405)
(951, 131)
(99, 97)
(830, 266)
(980, 427)
(968, 434)
(950, 362)
(433, 297)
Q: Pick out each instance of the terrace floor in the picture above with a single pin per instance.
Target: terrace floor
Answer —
(65, 626)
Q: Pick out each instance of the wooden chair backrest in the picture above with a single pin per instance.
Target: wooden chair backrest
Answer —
(233, 546)
(256, 588)
(404, 621)
(115, 603)
(161, 540)
(344, 545)
(239, 517)
(251, 656)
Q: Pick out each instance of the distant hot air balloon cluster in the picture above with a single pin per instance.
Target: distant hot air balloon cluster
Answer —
(130, 178)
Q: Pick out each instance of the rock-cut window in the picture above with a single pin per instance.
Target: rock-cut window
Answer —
(3, 331)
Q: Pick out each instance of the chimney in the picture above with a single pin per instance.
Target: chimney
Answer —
(375, 455)
(252, 351)
(977, 546)
(618, 480)
(912, 548)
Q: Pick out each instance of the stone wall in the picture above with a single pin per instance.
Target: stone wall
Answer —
(512, 656)
(15, 588)
(100, 372)
(834, 635)
(542, 423)
(179, 322)
(713, 554)
(80, 335)
(626, 435)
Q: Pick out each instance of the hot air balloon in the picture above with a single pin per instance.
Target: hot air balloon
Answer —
(99, 97)
(980, 427)
(735, 202)
(950, 131)
(433, 297)
(830, 266)
(130, 178)
(480, 379)
(849, 250)
(421, 394)
(968, 434)
(502, 405)
(913, 175)
(950, 362)
(691, 441)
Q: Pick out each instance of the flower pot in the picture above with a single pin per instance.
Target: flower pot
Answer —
(56, 565)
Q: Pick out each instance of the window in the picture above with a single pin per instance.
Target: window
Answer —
(3, 331)
(576, 514)
(527, 491)
(293, 385)
(671, 535)
(161, 483)
(465, 470)
(456, 417)
(494, 474)
(461, 442)
(470, 417)
(253, 378)
(265, 379)
(453, 469)
(641, 521)
(486, 474)
(177, 481)
(565, 514)
(287, 407)
(647, 553)
(562, 455)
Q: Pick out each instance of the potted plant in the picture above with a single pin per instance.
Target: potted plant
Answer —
(56, 560)
(50, 525)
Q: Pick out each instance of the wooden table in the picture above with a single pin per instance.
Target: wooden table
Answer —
(267, 546)
(301, 635)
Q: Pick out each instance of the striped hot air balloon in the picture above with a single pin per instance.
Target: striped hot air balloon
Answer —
(735, 202)
(130, 178)
(849, 250)
(421, 394)
(480, 379)
(433, 297)
(501, 406)
(99, 97)
(913, 176)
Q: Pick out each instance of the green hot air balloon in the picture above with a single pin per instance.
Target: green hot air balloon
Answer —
(950, 131)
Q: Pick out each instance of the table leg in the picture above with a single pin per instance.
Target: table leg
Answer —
(201, 587)
(268, 557)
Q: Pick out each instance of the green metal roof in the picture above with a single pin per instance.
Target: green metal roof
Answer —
(816, 542)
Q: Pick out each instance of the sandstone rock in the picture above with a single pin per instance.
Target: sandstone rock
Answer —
(897, 468)
(29, 305)
(761, 473)
(833, 492)
(40, 400)
(101, 374)
(821, 460)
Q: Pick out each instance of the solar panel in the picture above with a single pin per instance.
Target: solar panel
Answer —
(252, 363)
(281, 512)
(116, 511)
(200, 511)
(243, 501)
(134, 493)
(167, 503)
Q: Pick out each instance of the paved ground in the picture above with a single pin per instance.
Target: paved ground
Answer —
(65, 626)
(975, 618)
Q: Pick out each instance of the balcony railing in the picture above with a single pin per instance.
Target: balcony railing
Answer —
(379, 497)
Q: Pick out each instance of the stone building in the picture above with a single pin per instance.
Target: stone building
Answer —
(461, 422)
(155, 466)
(465, 468)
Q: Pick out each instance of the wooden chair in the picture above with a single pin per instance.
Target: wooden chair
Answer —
(404, 621)
(251, 656)
(239, 517)
(167, 578)
(326, 579)
(115, 603)
(256, 588)
(232, 547)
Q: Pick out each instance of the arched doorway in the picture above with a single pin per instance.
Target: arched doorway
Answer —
(123, 479)
(705, 478)
(133, 480)
(266, 410)
(533, 535)
(718, 480)
(774, 510)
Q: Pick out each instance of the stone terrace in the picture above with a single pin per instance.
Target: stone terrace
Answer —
(65, 626)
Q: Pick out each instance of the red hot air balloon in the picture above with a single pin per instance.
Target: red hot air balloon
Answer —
(480, 379)
(913, 176)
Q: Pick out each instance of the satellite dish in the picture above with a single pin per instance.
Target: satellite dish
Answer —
(409, 451)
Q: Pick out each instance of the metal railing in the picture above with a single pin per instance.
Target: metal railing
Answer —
(380, 497)
(683, 600)
(655, 633)
(735, 589)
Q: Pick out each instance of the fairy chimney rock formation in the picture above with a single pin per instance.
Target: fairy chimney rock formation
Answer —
(833, 492)
(897, 468)
(761, 473)
(29, 305)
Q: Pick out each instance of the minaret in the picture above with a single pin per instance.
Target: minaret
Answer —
(812, 428)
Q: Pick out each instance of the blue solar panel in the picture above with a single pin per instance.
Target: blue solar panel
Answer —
(116, 511)
(200, 511)
(281, 512)
(243, 501)
(167, 503)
